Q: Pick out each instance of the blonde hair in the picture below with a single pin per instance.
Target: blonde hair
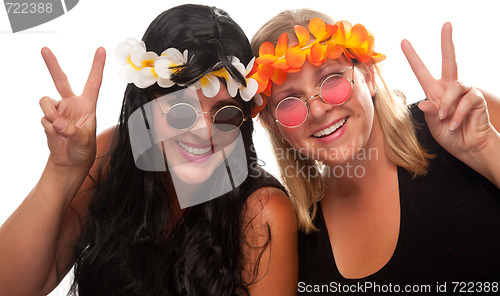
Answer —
(402, 146)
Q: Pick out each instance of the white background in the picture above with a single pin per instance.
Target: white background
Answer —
(93, 23)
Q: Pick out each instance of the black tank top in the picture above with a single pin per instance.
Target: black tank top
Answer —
(449, 231)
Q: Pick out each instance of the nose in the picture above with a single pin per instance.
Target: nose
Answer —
(203, 126)
(317, 107)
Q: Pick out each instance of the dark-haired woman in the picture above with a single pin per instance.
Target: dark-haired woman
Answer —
(169, 202)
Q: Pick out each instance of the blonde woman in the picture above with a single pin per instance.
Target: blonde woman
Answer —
(385, 193)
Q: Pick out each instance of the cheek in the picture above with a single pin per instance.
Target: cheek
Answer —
(223, 139)
(162, 130)
(366, 116)
(368, 109)
(364, 113)
(363, 97)
(289, 135)
(301, 142)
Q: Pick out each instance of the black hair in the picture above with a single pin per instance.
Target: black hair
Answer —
(130, 243)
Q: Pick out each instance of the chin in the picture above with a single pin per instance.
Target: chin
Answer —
(345, 153)
(193, 173)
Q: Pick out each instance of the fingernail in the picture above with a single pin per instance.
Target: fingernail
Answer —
(453, 125)
(441, 114)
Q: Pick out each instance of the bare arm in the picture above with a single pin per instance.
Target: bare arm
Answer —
(277, 272)
(30, 237)
(75, 216)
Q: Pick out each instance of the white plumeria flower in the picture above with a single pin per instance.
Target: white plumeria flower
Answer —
(248, 92)
(123, 51)
(166, 65)
(138, 64)
(209, 84)
(146, 68)
(145, 77)
(232, 84)
(143, 60)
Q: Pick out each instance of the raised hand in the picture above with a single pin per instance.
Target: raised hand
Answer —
(70, 124)
(456, 114)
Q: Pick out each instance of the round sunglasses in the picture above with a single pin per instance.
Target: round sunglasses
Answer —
(335, 90)
(183, 116)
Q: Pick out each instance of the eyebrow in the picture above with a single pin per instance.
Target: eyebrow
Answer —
(333, 68)
(282, 94)
(228, 101)
(225, 102)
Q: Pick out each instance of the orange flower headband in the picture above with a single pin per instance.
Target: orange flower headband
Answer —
(331, 41)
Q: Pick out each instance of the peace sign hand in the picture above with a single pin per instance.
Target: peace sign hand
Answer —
(70, 124)
(456, 114)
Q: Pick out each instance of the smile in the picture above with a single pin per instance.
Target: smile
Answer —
(194, 150)
(330, 130)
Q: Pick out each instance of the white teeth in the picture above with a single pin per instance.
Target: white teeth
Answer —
(195, 151)
(330, 130)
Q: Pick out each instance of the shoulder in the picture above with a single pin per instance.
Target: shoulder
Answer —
(266, 197)
(272, 205)
(270, 243)
(269, 212)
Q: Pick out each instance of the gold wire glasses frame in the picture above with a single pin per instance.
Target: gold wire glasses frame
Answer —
(314, 96)
(217, 124)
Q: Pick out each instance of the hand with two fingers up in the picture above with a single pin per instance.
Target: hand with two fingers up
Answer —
(70, 123)
(456, 114)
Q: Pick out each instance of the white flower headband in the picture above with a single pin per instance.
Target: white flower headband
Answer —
(147, 68)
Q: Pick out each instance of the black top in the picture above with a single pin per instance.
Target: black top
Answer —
(449, 231)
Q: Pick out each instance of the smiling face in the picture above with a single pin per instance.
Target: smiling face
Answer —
(194, 147)
(330, 133)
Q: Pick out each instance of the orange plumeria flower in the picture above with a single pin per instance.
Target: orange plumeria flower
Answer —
(330, 42)
(319, 50)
